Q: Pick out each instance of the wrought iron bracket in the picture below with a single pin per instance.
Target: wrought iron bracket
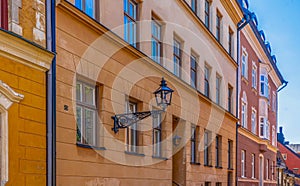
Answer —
(126, 120)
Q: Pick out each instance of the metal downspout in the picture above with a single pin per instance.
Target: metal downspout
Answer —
(51, 94)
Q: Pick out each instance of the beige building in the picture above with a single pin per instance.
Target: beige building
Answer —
(105, 68)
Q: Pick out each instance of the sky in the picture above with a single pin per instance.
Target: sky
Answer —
(280, 20)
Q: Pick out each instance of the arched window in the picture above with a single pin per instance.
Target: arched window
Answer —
(7, 97)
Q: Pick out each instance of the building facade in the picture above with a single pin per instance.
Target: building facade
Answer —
(260, 81)
(111, 56)
(24, 62)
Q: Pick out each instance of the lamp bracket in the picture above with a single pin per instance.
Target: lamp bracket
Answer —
(128, 119)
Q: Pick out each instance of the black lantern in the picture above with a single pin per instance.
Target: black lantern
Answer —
(163, 96)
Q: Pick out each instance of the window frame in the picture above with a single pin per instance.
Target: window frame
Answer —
(244, 66)
(84, 106)
(177, 57)
(253, 166)
(218, 151)
(218, 25)
(230, 154)
(229, 99)
(207, 148)
(193, 69)
(264, 85)
(157, 40)
(267, 170)
(253, 121)
(194, 6)
(243, 163)
(230, 41)
(132, 140)
(207, 6)
(83, 4)
(254, 76)
(157, 129)
(130, 19)
(218, 89)
(244, 114)
(194, 144)
(206, 81)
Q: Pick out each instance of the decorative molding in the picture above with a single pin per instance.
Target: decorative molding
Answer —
(20, 50)
(7, 97)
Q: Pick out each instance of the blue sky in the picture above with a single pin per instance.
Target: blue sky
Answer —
(280, 20)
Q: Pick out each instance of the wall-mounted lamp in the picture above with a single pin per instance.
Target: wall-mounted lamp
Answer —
(163, 97)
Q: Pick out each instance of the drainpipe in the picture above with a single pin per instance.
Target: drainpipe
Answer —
(51, 94)
(285, 83)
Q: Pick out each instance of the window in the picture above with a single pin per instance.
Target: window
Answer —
(272, 170)
(194, 6)
(132, 132)
(130, 19)
(269, 94)
(264, 86)
(193, 71)
(218, 184)
(229, 179)
(274, 102)
(218, 151)
(218, 26)
(273, 136)
(156, 122)
(207, 13)
(87, 6)
(207, 148)
(230, 154)
(245, 65)
(207, 183)
(156, 41)
(254, 76)
(218, 90)
(206, 81)
(4, 15)
(253, 121)
(230, 90)
(230, 42)
(177, 57)
(262, 127)
(194, 144)
(86, 112)
(267, 130)
(243, 164)
(267, 170)
(253, 166)
(244, 115)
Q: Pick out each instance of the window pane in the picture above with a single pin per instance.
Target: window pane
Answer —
(89, 126)
(79, 123)
(90, 7)
(89, 93)
(78, 92)
(78, 4)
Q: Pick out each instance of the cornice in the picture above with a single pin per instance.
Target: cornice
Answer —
(233, 10)
(8, 96)
(256, 139)
(18, 49)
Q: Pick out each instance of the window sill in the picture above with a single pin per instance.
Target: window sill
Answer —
(245, 79)
(89, 146)
(243, 177)
(195, 163)
(134, 153)
(159, 157)
(208, 166)
(230, 169)
(218, 167)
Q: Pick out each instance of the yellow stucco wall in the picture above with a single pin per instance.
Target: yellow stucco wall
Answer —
(26, 123)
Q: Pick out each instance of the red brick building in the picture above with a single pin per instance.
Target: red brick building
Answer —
(260, 80)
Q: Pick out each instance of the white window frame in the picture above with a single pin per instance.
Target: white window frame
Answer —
(218, 89)
(177, 56)
(82, 4)
(130, 22)
(253, 121)
(207, 81)
(82, 107)
(244, 114)
(262, 124)
(274, 102)
(253, 166)
(254, 75)
(131, 131)
(243, 162)
(156, 53)
(244, 66)
(157, 134)
(274, 136)
(7, 97)
(264, 86)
